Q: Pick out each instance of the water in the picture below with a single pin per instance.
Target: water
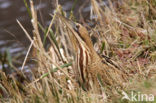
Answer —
(12, 37)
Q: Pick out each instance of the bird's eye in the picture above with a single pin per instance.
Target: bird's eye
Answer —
(77, 27)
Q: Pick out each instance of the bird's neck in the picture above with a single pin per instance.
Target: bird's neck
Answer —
(90, 45)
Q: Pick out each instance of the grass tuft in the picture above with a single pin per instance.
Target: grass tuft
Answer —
(125, 32)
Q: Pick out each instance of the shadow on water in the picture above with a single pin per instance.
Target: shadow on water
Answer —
(12, 38)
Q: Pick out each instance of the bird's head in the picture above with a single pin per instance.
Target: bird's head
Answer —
(77, 33)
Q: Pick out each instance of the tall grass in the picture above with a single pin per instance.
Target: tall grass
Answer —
(125, 31)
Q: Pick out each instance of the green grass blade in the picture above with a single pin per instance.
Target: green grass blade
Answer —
(55, 69)
(9, 58)
(52, 35)
(102, 48)
(75, 2)
(54, 39)
(28, 9)
(44, 31)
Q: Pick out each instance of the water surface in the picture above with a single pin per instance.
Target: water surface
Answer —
(12, 37)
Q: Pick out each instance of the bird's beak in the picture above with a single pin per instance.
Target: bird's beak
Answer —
(70, 24)
(72, 27)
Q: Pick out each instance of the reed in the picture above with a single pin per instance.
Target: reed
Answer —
(125, 33)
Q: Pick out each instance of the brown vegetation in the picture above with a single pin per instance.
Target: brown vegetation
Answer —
(125, 32)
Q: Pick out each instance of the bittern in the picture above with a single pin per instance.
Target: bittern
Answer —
(90, 68)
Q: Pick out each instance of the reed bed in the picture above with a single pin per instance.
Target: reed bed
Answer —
(124, 31)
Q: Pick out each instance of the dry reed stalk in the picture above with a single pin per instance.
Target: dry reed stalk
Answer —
(110, 29)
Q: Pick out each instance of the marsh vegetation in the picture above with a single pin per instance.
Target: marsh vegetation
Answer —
(122, 31)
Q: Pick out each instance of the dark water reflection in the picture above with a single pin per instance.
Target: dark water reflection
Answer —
(11, 35)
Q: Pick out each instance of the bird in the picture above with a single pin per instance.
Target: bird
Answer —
(91, 69)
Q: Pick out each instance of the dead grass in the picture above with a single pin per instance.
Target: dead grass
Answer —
(125, 32)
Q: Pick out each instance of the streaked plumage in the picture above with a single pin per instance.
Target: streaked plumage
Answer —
(90, 68)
